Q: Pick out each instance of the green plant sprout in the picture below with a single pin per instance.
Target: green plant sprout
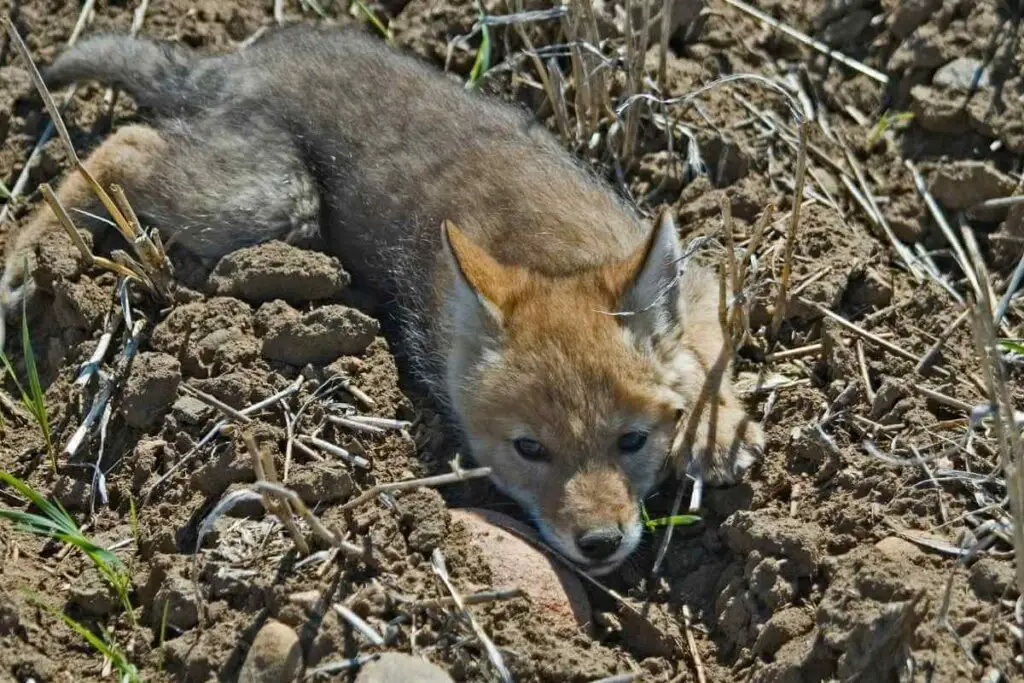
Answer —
(483, 55)
(670, 520)
(55, 522)
(895, 121)
(33, 398)
(372, 17)
(1012, 345)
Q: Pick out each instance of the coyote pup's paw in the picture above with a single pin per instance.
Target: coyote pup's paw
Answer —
(721, 442)
(16, 283)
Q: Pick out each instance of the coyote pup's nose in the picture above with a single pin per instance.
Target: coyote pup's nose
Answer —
(600, 543)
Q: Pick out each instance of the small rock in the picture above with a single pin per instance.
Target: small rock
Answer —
(514, 562)
(226, 348)
(318, 336)
(926, 49)
(960, 73)
(994, 114)
(962, 184)
(392, 667)
(151, 389)
(1006, 244)
(769, 586)
(899, 549)
(316, 484)
(230, 583)
(277, 270)
(993, 579)
(274, 657)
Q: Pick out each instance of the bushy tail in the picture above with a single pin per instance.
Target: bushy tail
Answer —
(156, 74)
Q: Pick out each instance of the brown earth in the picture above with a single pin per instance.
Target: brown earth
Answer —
(832, 562)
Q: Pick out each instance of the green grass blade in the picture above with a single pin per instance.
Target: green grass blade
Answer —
(55, 522)
(672, 520)
(127, 671)
(1012, 345)
(482, 63)
(38, 400)
(372, 17)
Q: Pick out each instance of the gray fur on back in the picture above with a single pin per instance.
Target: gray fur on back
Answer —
(325, 131)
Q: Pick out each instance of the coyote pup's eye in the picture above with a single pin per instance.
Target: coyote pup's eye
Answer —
(631, 442)
(530, 449)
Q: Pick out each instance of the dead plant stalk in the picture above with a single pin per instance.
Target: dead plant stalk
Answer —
(1004, 415)
(787, 265)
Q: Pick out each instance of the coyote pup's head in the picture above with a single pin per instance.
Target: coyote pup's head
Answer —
(562, 388)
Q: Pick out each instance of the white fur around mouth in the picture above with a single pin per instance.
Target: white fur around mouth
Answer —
(603, 568)
(566, 549)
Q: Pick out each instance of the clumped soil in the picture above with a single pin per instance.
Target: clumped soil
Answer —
(829, 562)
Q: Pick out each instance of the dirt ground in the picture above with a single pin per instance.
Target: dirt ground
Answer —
(872, 542)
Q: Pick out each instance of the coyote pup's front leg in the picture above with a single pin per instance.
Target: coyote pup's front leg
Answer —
(718, 440)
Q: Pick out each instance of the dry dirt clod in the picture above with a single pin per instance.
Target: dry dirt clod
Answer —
(321, 484)
(904, 16)
(425, 514)
(899, 549)
(935, 111)
(514, 563)
(93, 595)
(277, 270)
(392, 667)
(963, 184)
(151, 389)
(179, 595)
(769, 534)
(275, 656)
(992, 580)
(318, 337)
(783, 627)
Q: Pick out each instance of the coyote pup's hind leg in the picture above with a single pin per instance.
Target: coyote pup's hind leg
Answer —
(126, 158)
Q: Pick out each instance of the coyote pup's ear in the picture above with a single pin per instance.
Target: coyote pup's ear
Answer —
(651, 288)
(481, 283)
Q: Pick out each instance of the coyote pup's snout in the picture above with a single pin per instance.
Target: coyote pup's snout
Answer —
(573, 388)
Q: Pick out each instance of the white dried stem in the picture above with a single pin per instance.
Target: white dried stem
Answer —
(335, 450)
(439, 480)
(437, 562)
(359, 624)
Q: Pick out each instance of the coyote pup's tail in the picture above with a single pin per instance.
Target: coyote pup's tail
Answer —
(156, 74)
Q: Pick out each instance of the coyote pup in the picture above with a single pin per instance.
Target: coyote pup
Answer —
(560, 330)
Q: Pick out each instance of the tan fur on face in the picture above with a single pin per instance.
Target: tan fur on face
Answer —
(554, 365)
